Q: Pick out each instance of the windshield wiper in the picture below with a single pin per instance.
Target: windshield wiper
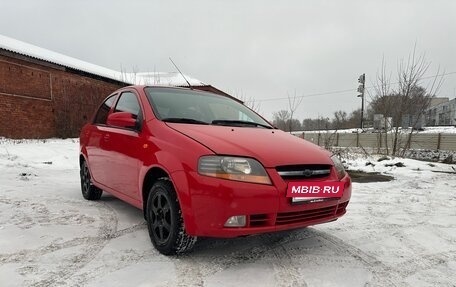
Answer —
(184, 121)
(238, 122)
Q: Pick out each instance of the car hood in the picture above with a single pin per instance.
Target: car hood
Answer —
(271, 147)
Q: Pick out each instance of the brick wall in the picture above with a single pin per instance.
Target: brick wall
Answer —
(42, 100)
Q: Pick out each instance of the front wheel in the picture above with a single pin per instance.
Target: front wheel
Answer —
(165, 222)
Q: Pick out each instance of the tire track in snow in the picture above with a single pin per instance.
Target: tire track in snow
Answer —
(192, 268)
(39, 215)
(287, 274)
(383, 274)
(211, 257)
(108, 226)
(188, 271)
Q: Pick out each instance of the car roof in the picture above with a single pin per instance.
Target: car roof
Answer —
(141, 87)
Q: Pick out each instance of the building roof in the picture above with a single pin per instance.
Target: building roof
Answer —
(161, 79)
(148, 78)
(435, 101)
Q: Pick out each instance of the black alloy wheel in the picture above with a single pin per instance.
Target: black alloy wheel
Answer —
(160, 217)
(89, 191)
(164, 220)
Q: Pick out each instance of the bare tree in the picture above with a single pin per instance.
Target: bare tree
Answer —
(340, 120)
(249, 102)
(284, 119)
(295, 125)
(409, 100)
(319, 123)
(129, 78)
(293, 104)
(354, 118)
(381, 102)
(281, 120)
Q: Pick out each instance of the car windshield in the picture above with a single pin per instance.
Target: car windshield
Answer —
(195, 107)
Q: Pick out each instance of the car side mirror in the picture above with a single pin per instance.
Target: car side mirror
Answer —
(122, 120)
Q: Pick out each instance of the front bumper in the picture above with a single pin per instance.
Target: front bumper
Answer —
(212, 201)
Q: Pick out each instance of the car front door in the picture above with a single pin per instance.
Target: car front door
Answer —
(122, 147)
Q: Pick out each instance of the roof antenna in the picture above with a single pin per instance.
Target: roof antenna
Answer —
(190, 86)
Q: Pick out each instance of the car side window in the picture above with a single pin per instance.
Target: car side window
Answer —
(128, 102)
(103, 112)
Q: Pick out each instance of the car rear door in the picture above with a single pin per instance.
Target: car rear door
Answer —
(95, 135)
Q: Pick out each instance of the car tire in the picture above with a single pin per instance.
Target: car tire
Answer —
(89, 191)
(165, 222)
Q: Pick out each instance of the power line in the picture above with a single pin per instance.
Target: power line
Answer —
(309, 95)
(340, 91)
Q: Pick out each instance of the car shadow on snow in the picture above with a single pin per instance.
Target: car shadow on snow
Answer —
(298, 241)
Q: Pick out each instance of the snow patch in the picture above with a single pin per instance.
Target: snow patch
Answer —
(395, 233)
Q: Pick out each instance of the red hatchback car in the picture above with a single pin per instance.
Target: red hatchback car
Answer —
(202, 164)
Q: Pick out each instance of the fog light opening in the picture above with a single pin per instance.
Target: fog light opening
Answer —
(236, 221)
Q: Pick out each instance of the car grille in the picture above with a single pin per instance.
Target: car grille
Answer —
(305, 215)
(306, 171)
(259, 220)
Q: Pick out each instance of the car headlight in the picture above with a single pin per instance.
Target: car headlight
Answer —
(233, 168)
(338, 166)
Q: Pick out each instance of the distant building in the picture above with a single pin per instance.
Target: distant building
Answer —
(382, 123)
(416, 122)
(437, 101)
(442, 114)
(46, 94)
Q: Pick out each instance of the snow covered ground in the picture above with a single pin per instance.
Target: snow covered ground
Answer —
(426, 130)
(397, 233)
(441, 129)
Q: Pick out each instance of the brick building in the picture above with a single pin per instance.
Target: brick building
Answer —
(46, 94)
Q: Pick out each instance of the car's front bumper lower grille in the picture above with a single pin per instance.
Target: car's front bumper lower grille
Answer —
(303, 216)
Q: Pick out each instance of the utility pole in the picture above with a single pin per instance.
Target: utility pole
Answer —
(361, 88)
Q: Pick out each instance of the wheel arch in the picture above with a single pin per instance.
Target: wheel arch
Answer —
(156, 173)
(153, 174)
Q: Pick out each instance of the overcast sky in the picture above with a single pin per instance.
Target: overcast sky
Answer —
(262, 50)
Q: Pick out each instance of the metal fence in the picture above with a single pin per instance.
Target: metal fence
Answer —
(381, 141)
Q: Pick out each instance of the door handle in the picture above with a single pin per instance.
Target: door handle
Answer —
(106, 137)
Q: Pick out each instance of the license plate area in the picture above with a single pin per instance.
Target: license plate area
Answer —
(301, 200)
(310, 192)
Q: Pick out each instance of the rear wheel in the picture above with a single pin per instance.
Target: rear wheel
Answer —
(89, 191)
(165, 222)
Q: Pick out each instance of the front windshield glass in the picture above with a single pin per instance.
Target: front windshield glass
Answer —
(195, 107)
